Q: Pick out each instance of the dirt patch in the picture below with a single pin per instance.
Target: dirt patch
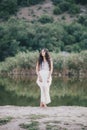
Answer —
(58, 118)
(34, 12)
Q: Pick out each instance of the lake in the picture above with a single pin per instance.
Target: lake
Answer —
(23, 91)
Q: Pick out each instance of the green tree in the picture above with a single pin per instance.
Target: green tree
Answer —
(81, 1)
(46, 19)
(7, 7)
(74, 9)
(64, 6)
(28, 2)
(57, 10)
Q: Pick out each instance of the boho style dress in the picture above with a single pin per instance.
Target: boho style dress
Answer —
(44, 85)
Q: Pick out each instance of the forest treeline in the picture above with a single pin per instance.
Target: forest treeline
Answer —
(19, 35)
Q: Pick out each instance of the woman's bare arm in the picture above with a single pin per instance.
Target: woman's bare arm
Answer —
(37, 68)
(37, 72)
(51, 71)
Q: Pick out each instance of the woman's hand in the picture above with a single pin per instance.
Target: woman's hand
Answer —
(40, 79)
(48, 80)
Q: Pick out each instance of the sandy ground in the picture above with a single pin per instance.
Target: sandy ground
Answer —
(62, 117)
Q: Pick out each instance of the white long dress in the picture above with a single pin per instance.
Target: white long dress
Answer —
(44, 85)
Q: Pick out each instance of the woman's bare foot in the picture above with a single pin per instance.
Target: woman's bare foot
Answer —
(43, 105)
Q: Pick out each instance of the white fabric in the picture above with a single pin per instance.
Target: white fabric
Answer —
(44, 85)
(44, 66)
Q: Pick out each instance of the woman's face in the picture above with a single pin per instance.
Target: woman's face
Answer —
(43, 52)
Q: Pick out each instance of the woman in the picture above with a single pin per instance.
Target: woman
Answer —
(44, 69)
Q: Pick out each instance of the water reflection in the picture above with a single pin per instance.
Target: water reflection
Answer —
(23, 91)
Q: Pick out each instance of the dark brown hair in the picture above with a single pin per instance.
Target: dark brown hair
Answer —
(47, 56)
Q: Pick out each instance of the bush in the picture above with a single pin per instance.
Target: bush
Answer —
(74, 62)
(69, 39)
(70, 1)
(76, 48)
(4, 15)
(74, 9)
(9, 48)
(21, 60)
(33, 2)
(63, 17)
(83, 44)
(85, 23)
(28, 2)
(64, 6)
(73, 27)
(56, 1)
(77, 62)
(81, 1)
(82, 20)
(7, 7)
(57, 10)
(46, 19)
(68, 48)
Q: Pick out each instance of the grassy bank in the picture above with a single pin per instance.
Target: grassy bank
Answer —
(64, 63)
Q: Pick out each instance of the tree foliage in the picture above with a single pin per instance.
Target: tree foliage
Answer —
(19, 35)
(9, 7)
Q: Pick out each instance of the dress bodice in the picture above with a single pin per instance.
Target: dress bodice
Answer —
(44, 66)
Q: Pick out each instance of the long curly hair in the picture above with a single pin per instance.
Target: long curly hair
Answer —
(47, 56)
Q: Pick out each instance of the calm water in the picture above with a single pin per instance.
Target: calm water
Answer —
(23, 91)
